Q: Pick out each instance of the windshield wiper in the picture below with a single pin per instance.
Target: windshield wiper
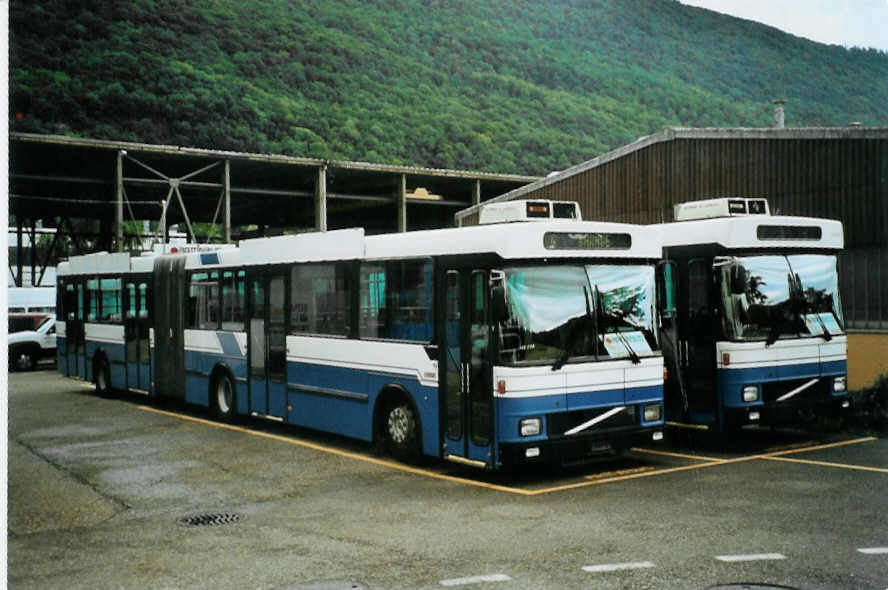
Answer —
(606, 315)
(796, 293)
(827, 335)
(565, 356)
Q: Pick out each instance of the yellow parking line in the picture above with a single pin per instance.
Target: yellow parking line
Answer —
(829, 464)
(679, 455)
(820, 447)
(705, 461)
(341, 453)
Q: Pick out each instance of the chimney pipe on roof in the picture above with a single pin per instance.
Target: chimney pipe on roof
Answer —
(779, 116)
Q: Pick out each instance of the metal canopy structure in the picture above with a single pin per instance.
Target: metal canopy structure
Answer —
(243, 194)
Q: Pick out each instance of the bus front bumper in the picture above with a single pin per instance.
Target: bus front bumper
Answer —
(577, 449)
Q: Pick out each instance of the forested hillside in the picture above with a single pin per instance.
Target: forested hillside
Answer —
(502, 85)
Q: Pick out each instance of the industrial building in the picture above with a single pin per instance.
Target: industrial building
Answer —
(830, 172)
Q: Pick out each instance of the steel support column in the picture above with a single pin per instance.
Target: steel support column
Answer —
(321, 199)
(476, 193)
(402, 203)
(227, 190)
(118, 206)
(19, 255)
(33, 252)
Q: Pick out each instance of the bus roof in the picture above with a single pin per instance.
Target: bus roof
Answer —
(755, 232)
(513, 241)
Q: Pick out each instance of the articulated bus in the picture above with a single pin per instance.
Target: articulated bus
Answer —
(491, 346)
(761, 337)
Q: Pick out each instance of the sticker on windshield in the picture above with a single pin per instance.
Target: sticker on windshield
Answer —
(827, 320)
(615, 347)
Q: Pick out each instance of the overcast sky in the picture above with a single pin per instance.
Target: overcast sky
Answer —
(860, 23)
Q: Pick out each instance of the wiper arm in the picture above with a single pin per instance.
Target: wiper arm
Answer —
(561, 361)
(606, 315)
(633, 356)
(826, 334)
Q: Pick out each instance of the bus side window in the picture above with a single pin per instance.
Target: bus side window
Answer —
(203, 301)
(111, 301)
(396, 300)
(322, 302)
(93, 297)
(233, 300)
(411, 294)
(373, 300)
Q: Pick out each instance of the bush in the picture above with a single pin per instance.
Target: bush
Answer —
(870, 406)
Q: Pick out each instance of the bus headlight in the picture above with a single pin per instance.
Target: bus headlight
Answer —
(530, 426)
(652, 413)
(750, 393)
(840, 383)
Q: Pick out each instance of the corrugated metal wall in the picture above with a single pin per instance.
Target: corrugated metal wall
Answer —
(843, 178)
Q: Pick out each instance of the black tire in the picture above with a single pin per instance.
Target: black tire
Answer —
(22, 359)
(399, 428)
(223, 397)
(102, 377)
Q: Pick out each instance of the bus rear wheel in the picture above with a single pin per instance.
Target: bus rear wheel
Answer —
(224, 397)
(400, 431)
(102, 376)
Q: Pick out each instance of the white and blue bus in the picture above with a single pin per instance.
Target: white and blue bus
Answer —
(489, 346)
(761, 337)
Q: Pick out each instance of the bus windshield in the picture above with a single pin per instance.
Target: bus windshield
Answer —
(562, 313)
(774, 296)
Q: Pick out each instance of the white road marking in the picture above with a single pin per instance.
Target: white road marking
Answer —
(476, 580)
(750, 557)
(613, 567)
(874, 550)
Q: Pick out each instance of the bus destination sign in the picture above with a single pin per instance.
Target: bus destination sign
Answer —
(586, 241)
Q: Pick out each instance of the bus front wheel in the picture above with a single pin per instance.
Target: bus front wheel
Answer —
(400, 431)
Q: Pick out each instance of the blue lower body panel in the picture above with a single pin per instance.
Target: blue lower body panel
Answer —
(781, 392)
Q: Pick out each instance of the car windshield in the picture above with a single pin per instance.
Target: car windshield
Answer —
(562, 313)
(775, 296)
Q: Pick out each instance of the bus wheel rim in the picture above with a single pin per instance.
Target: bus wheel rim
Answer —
(399, 424)
(224, 396)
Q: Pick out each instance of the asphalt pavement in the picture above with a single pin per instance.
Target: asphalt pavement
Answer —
(112, 493)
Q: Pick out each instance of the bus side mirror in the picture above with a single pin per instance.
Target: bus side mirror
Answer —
(499, 311)
(738, 280)
(666, 288)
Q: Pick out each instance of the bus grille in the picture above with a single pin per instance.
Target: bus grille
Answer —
(773, 390)
(558, 424)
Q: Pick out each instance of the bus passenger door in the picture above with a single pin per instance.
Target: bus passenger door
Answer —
(69, 295)
(466, 378)
(131, 333)
(256, 345)
(77, 338)
(268, 345)
(169, 326)
(143, 325)
(276, 342)
(698, 333)
(136, 335)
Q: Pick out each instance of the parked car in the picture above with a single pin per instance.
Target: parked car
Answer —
(36, 341)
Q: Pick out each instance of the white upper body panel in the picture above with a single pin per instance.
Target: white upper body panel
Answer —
(744, 232)
(514, 241)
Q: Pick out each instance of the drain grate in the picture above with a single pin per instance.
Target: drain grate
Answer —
(212, 519)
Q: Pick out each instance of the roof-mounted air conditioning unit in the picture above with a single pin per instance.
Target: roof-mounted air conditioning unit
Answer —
(511, 211)
(726, 207)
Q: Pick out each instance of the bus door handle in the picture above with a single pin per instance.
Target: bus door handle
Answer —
(684, 357)
(464, 369)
